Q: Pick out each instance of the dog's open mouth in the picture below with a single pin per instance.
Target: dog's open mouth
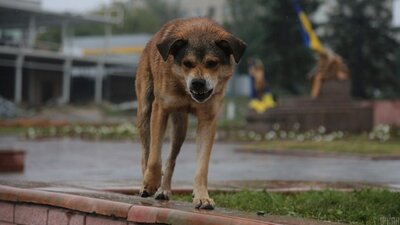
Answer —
(201, 96)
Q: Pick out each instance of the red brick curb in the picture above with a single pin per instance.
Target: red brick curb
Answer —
(128, 212)
(68, 201)
(144, 214)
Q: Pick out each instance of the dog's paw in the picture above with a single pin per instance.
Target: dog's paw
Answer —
(144, 193)
(203, 203)
(162, 194)
(151, 182)
(147, 191)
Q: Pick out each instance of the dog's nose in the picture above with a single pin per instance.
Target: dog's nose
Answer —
(198, 85)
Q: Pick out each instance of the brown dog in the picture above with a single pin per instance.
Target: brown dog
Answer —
(183, 69)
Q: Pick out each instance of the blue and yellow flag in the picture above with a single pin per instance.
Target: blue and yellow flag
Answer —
(309, 37)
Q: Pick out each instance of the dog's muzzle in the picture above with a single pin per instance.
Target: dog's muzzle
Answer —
(199, 89)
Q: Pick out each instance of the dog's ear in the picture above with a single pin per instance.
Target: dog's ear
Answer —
(232, 45)
(170, 46)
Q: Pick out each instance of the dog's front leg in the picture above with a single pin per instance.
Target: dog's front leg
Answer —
(205, 139)
(179, 123)
(152, 176)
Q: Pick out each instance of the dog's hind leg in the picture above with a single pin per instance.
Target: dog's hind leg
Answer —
(144, 115)
(179, 123)
(145, 95)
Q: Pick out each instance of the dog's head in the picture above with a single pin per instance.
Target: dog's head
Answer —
(202, 59)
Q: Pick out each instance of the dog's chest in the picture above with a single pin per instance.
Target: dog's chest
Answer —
(173, 102)
(170, 101)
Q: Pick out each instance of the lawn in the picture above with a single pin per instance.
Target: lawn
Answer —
(367, 206)
(12, 130)
(355, 145)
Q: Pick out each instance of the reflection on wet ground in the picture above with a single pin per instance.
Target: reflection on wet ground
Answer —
(80, 160)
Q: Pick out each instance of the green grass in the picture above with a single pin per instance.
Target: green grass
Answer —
(367, 206)
(12, 130)
(351, 145)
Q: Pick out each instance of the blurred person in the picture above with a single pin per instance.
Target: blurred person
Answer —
(258, 82)
(261, 97)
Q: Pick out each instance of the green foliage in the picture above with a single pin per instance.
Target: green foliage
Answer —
(273, 33)
(107, 132)
(146, 19)
(287, 59)
(247, 26)
(367, 206)
(360, 31)
(139, 21)
(51, 35)
(163, 10)
(346, 146)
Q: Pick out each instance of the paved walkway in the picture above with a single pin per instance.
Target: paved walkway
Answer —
(79, 160)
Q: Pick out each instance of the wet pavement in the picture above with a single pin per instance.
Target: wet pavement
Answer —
(80, 160)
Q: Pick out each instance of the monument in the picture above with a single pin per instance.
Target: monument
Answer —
(329, 105)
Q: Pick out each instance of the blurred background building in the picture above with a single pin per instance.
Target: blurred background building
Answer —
(38, 72)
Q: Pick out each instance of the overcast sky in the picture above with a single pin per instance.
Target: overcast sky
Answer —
(72, 5)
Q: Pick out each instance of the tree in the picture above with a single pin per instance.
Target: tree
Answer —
(290, 60)
(273, 33)
(247, 26)
(360, 31)
(146, 19)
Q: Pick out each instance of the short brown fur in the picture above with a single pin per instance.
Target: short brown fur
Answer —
(183, 50)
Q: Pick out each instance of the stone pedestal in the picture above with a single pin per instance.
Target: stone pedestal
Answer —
(334, 109)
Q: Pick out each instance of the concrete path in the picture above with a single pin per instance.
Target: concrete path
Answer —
(79, 160)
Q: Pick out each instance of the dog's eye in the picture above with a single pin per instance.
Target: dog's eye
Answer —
(211, 64)
(188, 64)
